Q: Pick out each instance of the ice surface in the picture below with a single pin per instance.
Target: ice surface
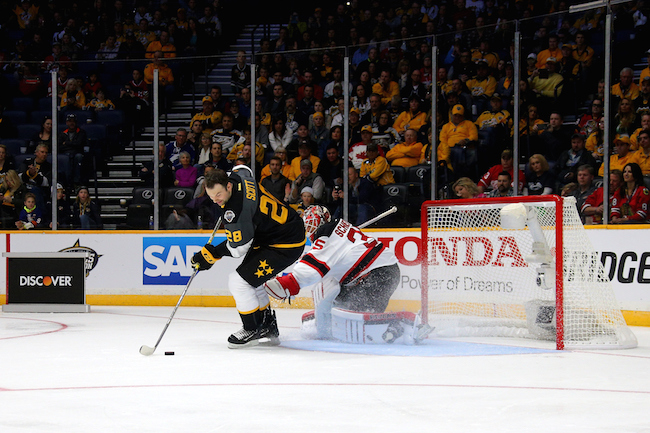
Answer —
(84, 373)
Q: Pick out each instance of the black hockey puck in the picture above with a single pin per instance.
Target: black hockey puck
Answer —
(169, 353)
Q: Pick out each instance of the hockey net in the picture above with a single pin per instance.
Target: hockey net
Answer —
(517, 267)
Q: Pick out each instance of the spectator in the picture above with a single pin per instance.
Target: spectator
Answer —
(163, 45)
(626, 88)
(276, 104)
(540, 180)
(86, 212)
(204, 148)
(180, 144)
(384, 134)
(630, 201)
(330, 167)
(165, 74)
(12, 192)
(100, 103)
(593, 208)
(243, 150)
(588, 123)
(217, 158)
(44, 136)
(186, 174)
(570, 160)
(92, 86)
(276, 182)
(481, 86)
(37, 171)
(305, 178)
(218, 99)
(414, 87)
(504, 186)
(493, 124)
(413, 118)
(227, 135)
(261, 132)
(165, 170)
(292, 117)
(57, 60)
(134, 100)
(280, 136)
(642, 156)
(73, 98)
(318, 133)
(63, 208)
(240, 74)
(460, 136)
(210, 119)
(586, 186)
(554, 138)
(625, 121)
(109, 49)
(304, 152)
(622, 157)
(131, 48)
(194, 135)
(144, 34)
(306, 104)
(72, 142)
(634, 138)
(466, 188)
(595, 142)
(489, 179)
(6, 162)
(372, 116)
(357, 152)
(406, 154)
(318, 92)
(285, 168)
(361, 100)
(376, 168)
(386, 88)
(30, 83)
(31, 215)
(506, 86)
(553, 51)
(547, 85)
(360, 199)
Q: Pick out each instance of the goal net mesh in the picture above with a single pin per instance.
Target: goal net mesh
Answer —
(499, 267)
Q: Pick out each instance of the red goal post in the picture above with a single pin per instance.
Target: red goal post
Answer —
(516, 267)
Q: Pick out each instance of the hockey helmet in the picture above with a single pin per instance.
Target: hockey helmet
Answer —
(314, 217)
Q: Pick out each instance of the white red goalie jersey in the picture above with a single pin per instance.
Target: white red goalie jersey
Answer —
(350, 254)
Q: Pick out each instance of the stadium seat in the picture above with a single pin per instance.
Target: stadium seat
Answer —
(138, 216)
(37, 116)
(27, 131)
(175, 199)
(396, 194)
(16, 117)
(15, 146)
(110, 117)
(45, 104)
(82, 116)
(23, 103)
(399, 174)
(142, 195)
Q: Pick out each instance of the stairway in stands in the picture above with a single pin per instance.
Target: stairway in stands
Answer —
(121, 177)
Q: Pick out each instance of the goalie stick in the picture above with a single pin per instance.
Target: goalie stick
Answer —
(378, 217)
(146, 350)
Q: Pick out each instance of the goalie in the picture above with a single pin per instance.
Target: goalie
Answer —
(353, 277)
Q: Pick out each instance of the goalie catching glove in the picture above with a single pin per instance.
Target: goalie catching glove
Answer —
(282, 287)
(204, 259)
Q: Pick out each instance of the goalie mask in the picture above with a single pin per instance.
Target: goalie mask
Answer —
(315, 217)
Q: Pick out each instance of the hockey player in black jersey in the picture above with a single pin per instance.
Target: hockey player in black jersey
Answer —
(267, 234)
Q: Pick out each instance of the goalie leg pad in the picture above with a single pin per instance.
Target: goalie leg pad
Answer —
(324, 294)
(373, 328)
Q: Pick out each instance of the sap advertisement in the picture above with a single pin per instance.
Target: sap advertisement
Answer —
(158, 263)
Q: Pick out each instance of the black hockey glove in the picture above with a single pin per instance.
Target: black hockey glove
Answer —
(204, 259)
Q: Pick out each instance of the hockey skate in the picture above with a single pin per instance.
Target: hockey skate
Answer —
(266, 334)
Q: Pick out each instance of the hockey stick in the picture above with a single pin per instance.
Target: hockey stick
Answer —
(378, 217)
(146, 350)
